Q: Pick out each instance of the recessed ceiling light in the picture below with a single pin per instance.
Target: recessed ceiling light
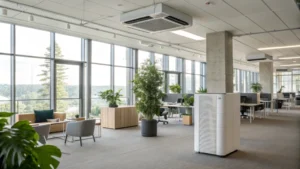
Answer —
(188, 35)
(279, 47)
(288, 58)
(290, 65)
(30, 18)
(4, 11)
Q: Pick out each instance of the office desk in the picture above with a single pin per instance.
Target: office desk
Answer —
(252, 109)
(180, 106)
(265, 102)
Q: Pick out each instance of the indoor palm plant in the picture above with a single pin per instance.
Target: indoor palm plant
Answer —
(19, 147)
(147, 83)
(112, 98)
(175, 88)
(256, 87)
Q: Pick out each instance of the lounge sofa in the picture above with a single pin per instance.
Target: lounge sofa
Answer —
(54, 127)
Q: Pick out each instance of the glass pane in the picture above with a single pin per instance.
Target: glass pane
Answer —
(67, 89)
(188, 66)
(158, 61)
(121, 57)
(197, 82)
(68, 47)
(122, 81)
(100, 82)
(142, 57)
(172, 63)
(101, 52)
(172, 80)
(188, 83)
(197, 68)
(32, 84)
(4, 83)
(32, 42)
(5, 38)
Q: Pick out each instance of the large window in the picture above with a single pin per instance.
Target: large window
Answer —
(101, 81)
(5, 83)
(32, 84)
(67, 47)
(4, 38)
(172, 63)
(121, 56)
(122, 83)
(101, 52)
(142, 57)
(32, 42)
(158, 61)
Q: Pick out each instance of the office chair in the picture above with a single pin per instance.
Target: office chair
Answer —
(243, 109)
(163, 112)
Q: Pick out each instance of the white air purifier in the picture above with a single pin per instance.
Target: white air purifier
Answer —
(217, 123)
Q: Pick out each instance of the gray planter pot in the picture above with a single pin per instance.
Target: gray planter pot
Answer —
(149, 128)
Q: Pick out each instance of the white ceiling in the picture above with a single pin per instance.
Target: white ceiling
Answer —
(236, 16)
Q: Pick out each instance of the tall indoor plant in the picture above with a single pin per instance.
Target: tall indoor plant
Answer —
(19, 147)
(256, 87)
(112, 98)
(147, 83)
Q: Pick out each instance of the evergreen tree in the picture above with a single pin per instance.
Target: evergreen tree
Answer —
(61, 92)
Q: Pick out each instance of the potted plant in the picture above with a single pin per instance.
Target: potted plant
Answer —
(77, 116)
(147, 83)
(280, 90)
(187, 117)
(112, 98)
(256, 87)
(175, 88)
(202, 90)
(19, 147)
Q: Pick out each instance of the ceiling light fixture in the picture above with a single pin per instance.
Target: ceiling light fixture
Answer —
(290, 65)
(288, 58)
(31, 18)
(188, 35)
(279, 47)
(4, 11)
(68, 26)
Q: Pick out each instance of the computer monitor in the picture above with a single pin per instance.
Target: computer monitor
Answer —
(243, 99)
(180, 100)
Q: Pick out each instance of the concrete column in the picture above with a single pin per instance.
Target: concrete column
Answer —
(266, 76)
(219, 77)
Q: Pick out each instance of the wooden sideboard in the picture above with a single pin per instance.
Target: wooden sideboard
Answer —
(120, 117)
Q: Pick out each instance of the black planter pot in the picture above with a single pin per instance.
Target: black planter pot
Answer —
(149, 128)
(113, 105)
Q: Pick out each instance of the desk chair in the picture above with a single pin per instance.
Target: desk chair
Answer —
(163, 112)
(243, 109)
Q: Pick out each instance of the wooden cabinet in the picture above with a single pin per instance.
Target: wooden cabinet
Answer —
(120, 117)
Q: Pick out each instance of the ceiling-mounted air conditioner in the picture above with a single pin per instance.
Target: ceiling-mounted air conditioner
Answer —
(259, 57)
(156, 18)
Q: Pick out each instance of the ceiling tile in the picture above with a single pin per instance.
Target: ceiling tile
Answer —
(267, 20)
(146, 2)
(286, 37)
(96, 8)
(290, 17)
(28, 2)
(248, 7)
(120, 5)
(218, 8)
(279, 5)
(244, 24)
(221, 26)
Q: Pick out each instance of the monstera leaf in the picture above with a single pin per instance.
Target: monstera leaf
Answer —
(46, 154)
(19, 148)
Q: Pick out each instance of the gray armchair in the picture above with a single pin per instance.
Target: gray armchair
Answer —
(80, 129)
(43, 131)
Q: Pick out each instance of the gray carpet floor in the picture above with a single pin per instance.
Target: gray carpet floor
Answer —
(271, 143)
